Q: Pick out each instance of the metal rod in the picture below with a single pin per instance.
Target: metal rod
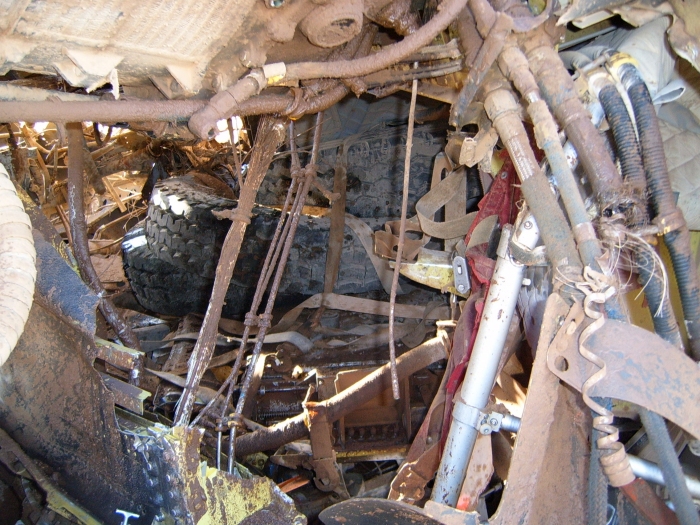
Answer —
(499, 307)
(402, 237)
(289, 241)
(78, 227)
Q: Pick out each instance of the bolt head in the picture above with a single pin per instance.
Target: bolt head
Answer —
(493, 421)
(528, 225)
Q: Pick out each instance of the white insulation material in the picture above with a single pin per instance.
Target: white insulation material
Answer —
(17, 266)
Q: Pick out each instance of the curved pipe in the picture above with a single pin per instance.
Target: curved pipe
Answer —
(225, 103)
(17, 266)
(78, 226)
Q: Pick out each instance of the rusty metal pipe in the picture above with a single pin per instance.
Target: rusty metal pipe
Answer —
(271, 134)
(130, 110)
(78, 226)
(346, 401)
(388, 56)
(560, 94)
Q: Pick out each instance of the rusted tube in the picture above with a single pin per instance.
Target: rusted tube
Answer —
(513, 64)
(448, 11)
(502, 109)
(130, 110)
(560, 94)
(271, 134)
(78, 226)
(345, 402)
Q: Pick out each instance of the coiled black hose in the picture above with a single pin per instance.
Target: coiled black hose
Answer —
(633, 172)
(664, 202)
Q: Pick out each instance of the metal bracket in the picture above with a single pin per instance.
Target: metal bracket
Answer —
(329, 476)
(460, 272)
(475, 418)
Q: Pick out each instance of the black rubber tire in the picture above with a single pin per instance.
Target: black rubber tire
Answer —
(182, 230)
(173, 271)
(166, 289)
(375, 171)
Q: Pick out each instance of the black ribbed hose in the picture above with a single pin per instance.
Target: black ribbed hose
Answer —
(664, 202)
(633, 172)
(625, 138)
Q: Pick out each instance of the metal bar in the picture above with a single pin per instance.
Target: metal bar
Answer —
(78, 225)
(346, 401)
(499, 307)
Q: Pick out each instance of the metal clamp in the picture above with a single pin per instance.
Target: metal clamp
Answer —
(484, 423)
(461, 274)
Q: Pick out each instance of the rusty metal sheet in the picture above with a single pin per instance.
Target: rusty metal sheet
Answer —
(373, 511)
(548, 476)
(642, 368)
(55, 406)
(125, 395)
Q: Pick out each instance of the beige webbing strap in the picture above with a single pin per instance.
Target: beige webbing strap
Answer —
(441, 194)
(364, 233)
(359, 305)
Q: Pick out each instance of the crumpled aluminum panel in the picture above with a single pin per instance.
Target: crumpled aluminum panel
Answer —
(144, 37)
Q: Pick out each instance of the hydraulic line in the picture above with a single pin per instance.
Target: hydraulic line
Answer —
(664, 205)
(513, 64)
(668, 216)
(560, 94)
(633, 172)
(655, 427)
(502, 109)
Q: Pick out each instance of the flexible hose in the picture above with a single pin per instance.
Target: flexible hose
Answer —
(633, 172)
(17, 266)
(671, 468)
(625, 137)
(676, 236)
